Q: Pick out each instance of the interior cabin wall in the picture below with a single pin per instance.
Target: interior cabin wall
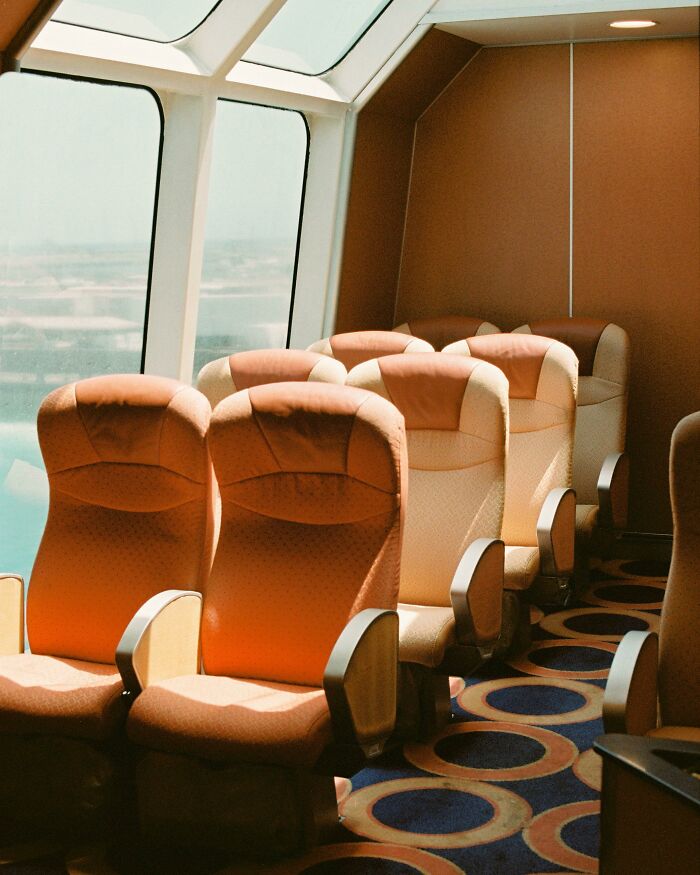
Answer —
(488, 218)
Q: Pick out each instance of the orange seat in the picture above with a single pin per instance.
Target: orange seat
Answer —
(540, 506)
(130, 510)
(243, 370)
(299, 638)
(355, 347)
(441, 330)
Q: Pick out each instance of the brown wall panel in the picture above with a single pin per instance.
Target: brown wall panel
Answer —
(487, 224)
(380, 178)
(637, 236)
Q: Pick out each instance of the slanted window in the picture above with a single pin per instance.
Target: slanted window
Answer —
(161, 21)
(78, 179)
(253, 223)
(311, 36)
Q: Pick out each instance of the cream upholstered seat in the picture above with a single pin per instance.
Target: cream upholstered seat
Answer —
(355, 347)
(299, 638)
(539, 515)
(130, 508)
(242, 370)
(456, 412)
(654, 683)
(441, 330)
(600, 473)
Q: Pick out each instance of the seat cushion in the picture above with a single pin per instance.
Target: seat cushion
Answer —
(424, 633)
(233, 720)
(586, 519)
(45, 694)
(522, 565)
(677, 733)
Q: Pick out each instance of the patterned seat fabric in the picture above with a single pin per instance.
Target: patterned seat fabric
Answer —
(603, 352)
(356, 347)
(542, 376)
(311, 486)
(441, 330)
(456, 412)
(243, 370)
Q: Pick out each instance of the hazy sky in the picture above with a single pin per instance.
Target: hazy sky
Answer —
(79, 165)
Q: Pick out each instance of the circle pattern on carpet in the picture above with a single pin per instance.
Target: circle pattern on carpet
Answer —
(510, 813)
(589, 769)
(525, 663)
(644, 595)
(544, 836)
(568, 624)
(419, 861)
(558, 753)
(474, 699)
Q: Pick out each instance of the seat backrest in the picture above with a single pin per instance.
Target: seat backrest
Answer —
(542, 377)
(130, 508)
(603, 352)
(355, 347)
(243, 370)
(311, 487)
(679, 645)
(456, 411)
(441, 330)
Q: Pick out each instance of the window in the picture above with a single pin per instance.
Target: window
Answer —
(255, 199)
(311, 36)
(162, 21)
(78, 178)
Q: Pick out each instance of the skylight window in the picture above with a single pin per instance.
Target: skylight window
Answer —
(311, 36)
(161, 21)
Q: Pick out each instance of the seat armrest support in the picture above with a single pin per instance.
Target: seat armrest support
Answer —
(556, 533)
(630, 702)
(361, 679)
(476, 593)
(613, 487)
(161, 641)
(11, 614)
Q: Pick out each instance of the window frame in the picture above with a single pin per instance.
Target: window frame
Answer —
(156, 191)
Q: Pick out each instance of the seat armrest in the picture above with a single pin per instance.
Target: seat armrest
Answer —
(556, 532)
(613, 487)
(161, 641)
(476, 593)
(11, 614)
(361, 678)
(630, 700)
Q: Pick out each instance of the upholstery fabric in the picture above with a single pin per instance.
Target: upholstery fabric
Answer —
(441, 330)
(43, 694)
(542, 418)
(242, 370)
(677, 733)
(522, 565)
(679, 648)
(222, 718)
(424, 633)
(457, 421)
(601, 418)
(130, 510)
(586, 518)
(355, 347)
(311, 479)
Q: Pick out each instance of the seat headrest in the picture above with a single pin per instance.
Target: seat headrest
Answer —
(601, 347)
(355, 347)
(537, 368)
(431, 390)
(130, 419)
(441, 330)
(274, 445)
(243, 370)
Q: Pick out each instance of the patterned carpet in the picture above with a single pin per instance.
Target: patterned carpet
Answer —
(511, 786)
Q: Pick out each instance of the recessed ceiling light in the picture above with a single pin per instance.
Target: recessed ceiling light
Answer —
(632, 24)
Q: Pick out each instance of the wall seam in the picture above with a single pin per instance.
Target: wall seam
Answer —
(571, 179)
(456, 76)
(405, 223)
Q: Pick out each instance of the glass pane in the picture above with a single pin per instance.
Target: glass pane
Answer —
(311, 36)
(159, 20)
(77, 176)
(257, 181)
